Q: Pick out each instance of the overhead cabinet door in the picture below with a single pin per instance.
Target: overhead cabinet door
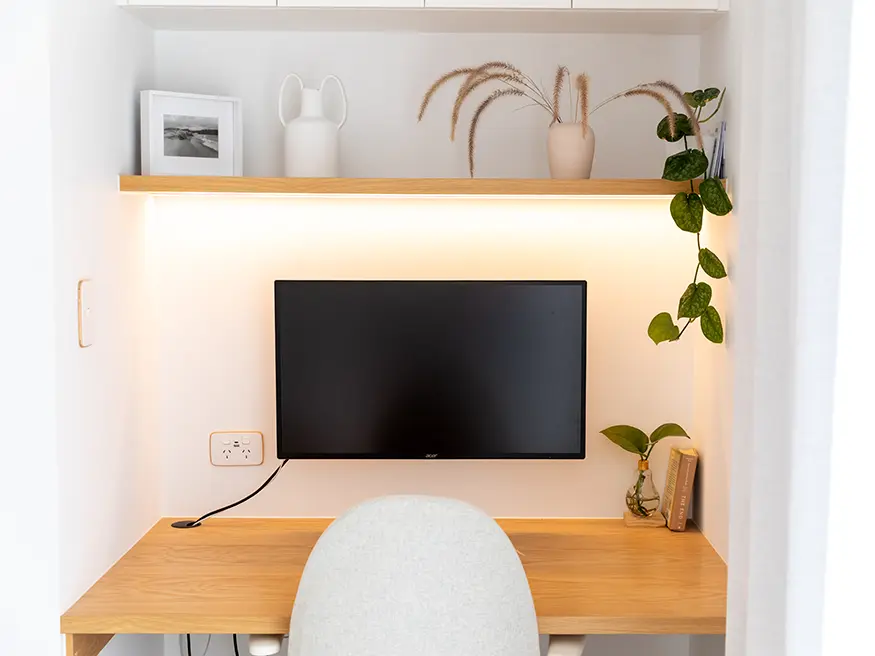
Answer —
(386, 4)
(500, 4)
(201, 3)
(645, 5)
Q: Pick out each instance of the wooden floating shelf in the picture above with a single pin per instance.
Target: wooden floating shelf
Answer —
(400, 186)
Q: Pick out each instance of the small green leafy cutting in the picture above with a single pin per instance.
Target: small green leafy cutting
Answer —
(687, 211)
(634, 440)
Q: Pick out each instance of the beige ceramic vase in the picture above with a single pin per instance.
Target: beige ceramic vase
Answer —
(569, 154)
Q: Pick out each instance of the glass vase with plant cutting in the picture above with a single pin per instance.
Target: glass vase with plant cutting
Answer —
(642, 499)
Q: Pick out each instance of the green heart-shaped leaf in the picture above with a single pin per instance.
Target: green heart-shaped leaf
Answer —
(712, 326)
(662, 328)
(683, 128)
(691, 101)
(630, 438)
(685, 166)
(667, 430)
(710, 94)
(687, 210)
(694, 301)
(714, 197)
(699, 98)
(711, 264)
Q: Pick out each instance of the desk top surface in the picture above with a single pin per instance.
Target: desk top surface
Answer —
(588, 576)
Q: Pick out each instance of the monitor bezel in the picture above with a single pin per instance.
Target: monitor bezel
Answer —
(296, 455)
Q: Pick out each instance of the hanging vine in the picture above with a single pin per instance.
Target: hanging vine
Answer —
(687, 210)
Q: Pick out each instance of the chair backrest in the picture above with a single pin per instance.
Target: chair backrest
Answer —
(413, 576)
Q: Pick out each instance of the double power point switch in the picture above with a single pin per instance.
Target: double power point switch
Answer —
(236, 448)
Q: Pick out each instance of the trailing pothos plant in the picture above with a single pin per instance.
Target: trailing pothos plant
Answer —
(687, 210)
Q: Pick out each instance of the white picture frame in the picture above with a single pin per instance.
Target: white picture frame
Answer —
(190, 134)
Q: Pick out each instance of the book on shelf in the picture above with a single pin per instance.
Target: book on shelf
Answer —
(678, 498)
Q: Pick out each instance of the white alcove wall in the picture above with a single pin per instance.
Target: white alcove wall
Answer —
(107, 474)
(82, 490)
(714, 372)
(212, 263)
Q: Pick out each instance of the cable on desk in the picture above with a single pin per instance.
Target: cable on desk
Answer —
(193, 524)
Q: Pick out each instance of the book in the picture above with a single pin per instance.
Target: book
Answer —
(678, 498)
(713, 166)
(717, 161)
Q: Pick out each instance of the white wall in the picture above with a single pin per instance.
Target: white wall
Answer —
(386, 75)
(28, 484)
(756, 603)
(788, 193)
(819, 171)
(713, 378)
(212, 263)
(849, 577)
(713, 375)
(100, 58)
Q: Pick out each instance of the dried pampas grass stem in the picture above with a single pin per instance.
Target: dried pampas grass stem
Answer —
(525, 81)
(561, 72)
(472, 133)
(443, 79)
(661, 99)
(466, 89)
(583, 95)
(677, 93)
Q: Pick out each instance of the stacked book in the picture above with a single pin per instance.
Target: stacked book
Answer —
(678, 498)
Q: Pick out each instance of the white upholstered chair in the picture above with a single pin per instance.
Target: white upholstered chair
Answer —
(416, 576)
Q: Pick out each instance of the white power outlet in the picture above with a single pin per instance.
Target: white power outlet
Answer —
(236, 448)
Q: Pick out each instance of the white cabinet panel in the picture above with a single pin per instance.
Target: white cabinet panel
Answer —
(500, 4)
(391, 4)
(202, 3)
(649, 4)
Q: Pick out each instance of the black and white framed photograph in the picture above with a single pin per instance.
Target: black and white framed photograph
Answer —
(189, 134)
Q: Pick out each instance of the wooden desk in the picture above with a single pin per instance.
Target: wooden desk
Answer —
(588, 576)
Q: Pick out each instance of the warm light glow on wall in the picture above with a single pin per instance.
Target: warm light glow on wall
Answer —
(455, 223)
(211, 264)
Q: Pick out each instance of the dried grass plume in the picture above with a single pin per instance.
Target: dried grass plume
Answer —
(443, 79)
(661, 99)
(559, 81)
(472, 133)
(583, 99)
(466, 89)
(677, 93)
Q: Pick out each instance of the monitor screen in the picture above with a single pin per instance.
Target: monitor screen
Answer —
(430, 369)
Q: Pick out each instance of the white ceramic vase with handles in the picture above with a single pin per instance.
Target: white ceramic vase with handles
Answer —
(312, 139)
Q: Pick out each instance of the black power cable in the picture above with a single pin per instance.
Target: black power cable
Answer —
(185, 523)
(236, 651)
(188, 642)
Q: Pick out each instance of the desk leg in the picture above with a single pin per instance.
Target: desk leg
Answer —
(566, 645)
(86, 644)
